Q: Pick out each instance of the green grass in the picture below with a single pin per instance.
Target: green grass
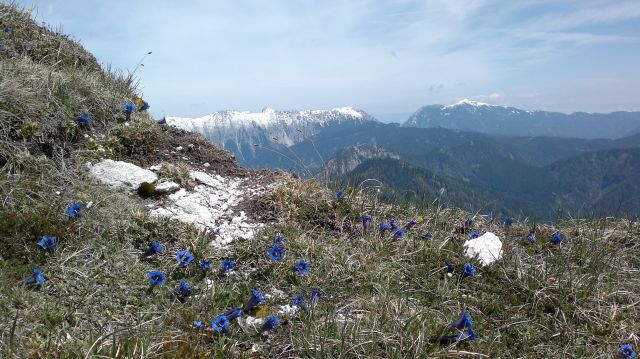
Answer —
(384, 298)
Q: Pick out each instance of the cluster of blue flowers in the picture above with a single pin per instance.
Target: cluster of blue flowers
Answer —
(465, 325)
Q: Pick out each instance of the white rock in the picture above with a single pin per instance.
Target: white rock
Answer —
(287, 309)
(206, 164)
(179, 148)
(167, 187)
(155, 168)
(121, 174)
(487, 248)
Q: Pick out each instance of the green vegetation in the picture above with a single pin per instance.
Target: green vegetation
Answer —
(384, 298)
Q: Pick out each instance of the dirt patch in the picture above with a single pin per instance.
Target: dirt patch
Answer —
(260, 182)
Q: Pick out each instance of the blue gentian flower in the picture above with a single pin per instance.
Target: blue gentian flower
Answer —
(398, 233)
(7, 29)
(474, 234)
(129, 108)
(184, 257)
(463, 322)
(392, 224)
(183, 289)
(340, 195)
(37, 278)
(626, 351)
(198, 324)
(299, 301)
(469, 270)
(256, 298)
(508, 221)
(316, 293)
(162, 121)
(271, 323)
(220, 324)
(410, 225)
(450, 267)
(84, 119)
(156, 278)
(228, 265)
(386, 198)
(557, 238)
(467, 334)
(234, 313)
(276, 253)
(145, 106)
(383, 228)
(366, 222)
(47, 243)
(427, 236)
(302, 267)
(205, 264)
(531, 237)
(278, 240)
(154, 248)
(74, 211)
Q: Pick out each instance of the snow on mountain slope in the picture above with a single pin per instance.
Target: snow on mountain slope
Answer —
(240, 131)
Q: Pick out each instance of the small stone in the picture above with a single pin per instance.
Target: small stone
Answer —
(167, 187)
(155, 168)
(207, 164)
(179, 148)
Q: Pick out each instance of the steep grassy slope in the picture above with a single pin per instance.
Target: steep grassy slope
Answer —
(366, 295)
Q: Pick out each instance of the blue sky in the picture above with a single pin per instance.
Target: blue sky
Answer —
(386, 57)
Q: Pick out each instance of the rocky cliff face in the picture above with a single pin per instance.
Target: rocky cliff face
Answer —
(242, 132)
(349, 158)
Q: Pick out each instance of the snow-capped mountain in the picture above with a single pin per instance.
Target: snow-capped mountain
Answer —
(510, 121)
(243, 132)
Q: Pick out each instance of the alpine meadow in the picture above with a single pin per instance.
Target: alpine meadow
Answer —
(477, 225)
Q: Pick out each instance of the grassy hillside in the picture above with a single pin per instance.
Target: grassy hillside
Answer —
(366, 295)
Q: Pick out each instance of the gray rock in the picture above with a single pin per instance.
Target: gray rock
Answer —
(167, 187)
(121, 174)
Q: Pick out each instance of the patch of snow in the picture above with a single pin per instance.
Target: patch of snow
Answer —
(121, 174)
(467, 101)
(487, 248)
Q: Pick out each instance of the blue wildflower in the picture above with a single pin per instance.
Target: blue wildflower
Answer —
(410, 225)
(228, 265)
(183, 289)
(156, 278)
(450, 267)
(205, 264)
(84, 119)
(184, 257)
(154, 248)
(128, 108)
(626, 351)
(7, 29)
(145, 106)
(256, 298)
(383, 228)
(37, 278)
(74, 210)
(398, 233)
(302, 267)
(276, 253)
(508, 221)
(220, 324)
(386, 198)
(316, 293)
(463, 322)
(340, 195)
(366, 222)
(162, 121)
(467, 334)
(299, 301)
(47, 243)
(427, 236)
(469, 270)
(198, 324)
(557, 238)
(474, 234)
(278, 240)
(531, 237)
(271, 323)
(392, 224)
(234, 313)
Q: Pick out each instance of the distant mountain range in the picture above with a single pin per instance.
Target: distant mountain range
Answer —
(509, 121)
(481, 169)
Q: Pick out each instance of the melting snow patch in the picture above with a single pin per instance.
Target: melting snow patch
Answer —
(487, 248)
